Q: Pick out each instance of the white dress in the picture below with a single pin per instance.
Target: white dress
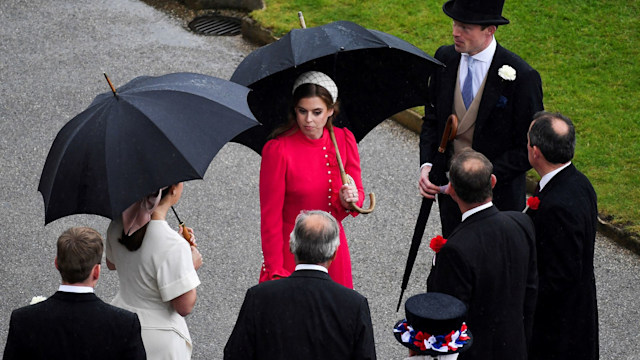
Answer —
(159, 271)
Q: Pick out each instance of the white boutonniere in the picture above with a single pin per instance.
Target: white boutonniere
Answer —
(507, 72)
(37, 299)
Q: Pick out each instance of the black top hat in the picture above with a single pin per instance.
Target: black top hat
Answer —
(481, 12)
(434, 325)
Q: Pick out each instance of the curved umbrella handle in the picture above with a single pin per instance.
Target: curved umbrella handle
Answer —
(345, 177)
(450, 131)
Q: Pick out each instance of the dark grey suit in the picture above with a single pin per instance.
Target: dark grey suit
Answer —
(304, 316)
(566, 223)
(73, 326)
(505, 112)
(489, 262)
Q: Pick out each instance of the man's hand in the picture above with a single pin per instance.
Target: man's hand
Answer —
(427, 188)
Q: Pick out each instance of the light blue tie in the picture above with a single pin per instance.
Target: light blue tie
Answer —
(467, 88)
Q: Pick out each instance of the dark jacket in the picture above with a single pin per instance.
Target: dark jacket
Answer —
(505, 112)
(489, 262)
(566, 223)
(304, 316)
(73, 326)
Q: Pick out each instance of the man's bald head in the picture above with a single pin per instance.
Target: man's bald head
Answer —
(554, 135)
(470, 175)
(315, 237)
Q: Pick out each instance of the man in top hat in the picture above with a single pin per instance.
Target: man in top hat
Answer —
(434, 327)
(565, 215)
(489, 263)
(493, 93)
(74, 323)
(306, 315)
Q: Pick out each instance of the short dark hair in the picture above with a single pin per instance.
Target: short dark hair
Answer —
(471, 181)
(79, 250)
(556, 148)
(314, 244)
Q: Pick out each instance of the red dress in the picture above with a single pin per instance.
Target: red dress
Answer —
(298, 173)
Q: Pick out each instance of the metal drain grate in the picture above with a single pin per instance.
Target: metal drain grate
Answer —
(216, 25)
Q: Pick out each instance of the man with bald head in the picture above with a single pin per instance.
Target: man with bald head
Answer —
(488, 262)
(306, 315)
(565, 218)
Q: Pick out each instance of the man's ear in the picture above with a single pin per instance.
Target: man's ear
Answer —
(494, 180)
(450, 190)
(95, 272)
(55, 262)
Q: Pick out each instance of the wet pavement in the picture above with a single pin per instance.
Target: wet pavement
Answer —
(52, 56)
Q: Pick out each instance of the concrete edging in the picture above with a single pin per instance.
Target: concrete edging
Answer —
(252, 31)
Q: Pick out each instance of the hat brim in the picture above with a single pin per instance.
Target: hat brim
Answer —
(417, 349)
(472, 18)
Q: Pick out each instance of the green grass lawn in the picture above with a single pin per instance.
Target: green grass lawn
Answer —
(585, 50)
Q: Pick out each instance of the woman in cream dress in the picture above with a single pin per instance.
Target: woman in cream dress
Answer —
(157, 272)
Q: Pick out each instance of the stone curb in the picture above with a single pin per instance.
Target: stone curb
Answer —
(258, 35)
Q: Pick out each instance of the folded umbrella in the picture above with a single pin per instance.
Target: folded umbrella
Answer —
(149, 133)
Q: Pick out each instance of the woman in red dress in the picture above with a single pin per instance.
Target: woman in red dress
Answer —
(299, 171)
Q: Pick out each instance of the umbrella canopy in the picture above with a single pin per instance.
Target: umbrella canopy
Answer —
(150, 133)
(378, 75)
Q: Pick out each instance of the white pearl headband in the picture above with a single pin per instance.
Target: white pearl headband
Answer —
(317, 78)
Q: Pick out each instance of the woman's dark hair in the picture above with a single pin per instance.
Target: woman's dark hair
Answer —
(301, 92)
(134, 241)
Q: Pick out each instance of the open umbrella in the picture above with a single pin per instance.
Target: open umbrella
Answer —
(150, 133)
(378, 75)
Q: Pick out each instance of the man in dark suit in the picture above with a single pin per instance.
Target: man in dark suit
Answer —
(489, 263)
(494, 105)
(307, 315)
(565, 217)
(74, 323)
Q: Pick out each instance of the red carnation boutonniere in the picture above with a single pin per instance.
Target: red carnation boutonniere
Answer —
(533, 203)
(437, 243)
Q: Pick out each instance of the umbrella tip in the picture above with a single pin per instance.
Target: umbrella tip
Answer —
(301, 18)
(110, 84)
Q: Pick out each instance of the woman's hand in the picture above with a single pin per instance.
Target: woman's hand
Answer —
(188, 235)
(196, 257)
(348, 195)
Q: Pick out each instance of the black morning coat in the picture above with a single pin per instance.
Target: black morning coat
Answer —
(304, 316)
(74, 326)
(505, 112)
(566, 222)
(489, 262)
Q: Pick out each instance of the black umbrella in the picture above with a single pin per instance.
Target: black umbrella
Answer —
(150, 133)
(449, 134)
(378, 75)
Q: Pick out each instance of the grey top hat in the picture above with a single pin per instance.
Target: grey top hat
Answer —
(480, 12)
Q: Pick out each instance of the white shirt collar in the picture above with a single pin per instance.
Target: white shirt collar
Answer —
(476, 209)
(480, 66)
(545, 179)
(76, 289)
(486, 55)
(311, 267)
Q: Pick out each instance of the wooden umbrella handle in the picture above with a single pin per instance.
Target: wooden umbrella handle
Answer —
(345, 177)
(450, 131)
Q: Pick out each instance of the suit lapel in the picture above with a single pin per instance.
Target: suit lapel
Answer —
(492, 88)
(449, 78)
